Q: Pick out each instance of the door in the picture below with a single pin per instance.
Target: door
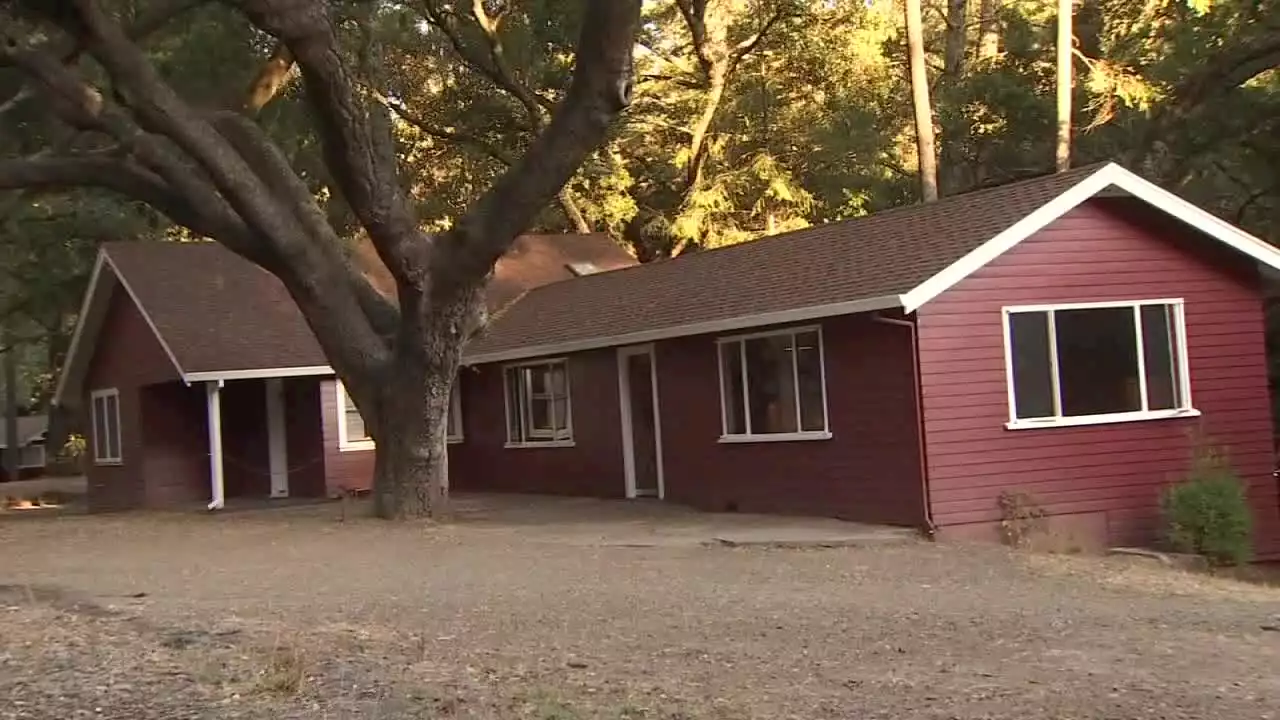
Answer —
(641, 428)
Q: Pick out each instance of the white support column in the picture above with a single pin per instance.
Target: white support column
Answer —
(278, 450)
(213, 402)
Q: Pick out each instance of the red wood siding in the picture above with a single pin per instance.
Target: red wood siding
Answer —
(304, 437)
(1108, 475)
(868, 471)
(343, 469)
(127, 357)
(592, 467)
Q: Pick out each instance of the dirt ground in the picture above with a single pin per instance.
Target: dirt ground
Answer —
(292, 614)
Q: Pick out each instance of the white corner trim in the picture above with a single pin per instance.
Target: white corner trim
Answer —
(77, 335)
(1110, 174)
(259, 373)
(782, 317)
(1101, 419)
(776, 437)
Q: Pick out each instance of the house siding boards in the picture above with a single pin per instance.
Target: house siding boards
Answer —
(592, 467)
(869, 470)
(304, 437)
(175, 461)
(1109, 476)
(344, 470)
(131, 359)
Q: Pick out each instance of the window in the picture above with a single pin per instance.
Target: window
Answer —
(106, 426)
(32, 456)
(773, 387)
(1096, 362)
(538, 408)
(352, 434)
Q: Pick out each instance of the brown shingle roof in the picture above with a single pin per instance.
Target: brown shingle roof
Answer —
(884, 254)
(218, 312)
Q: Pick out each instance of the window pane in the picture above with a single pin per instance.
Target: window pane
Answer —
(113, 426)
(515, 406)
(771, 398)
(809, 370)
(540, 414)
(451, 428)
(556, 380)
(1158, 350)
(1032, 371)
(731, 383)
(100, 427)
(560, 415)
(354, 420)
(1097, 361)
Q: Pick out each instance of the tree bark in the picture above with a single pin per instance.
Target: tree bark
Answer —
(1062, 148)
(957, 37)
(920, 102)
(12, 452)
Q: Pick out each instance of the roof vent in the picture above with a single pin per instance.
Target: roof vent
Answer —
(582, 268)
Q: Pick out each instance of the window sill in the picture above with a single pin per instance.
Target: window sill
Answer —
(1107, 419)
(108, 463)
(775, 437)
(371, 445)
(540, 444)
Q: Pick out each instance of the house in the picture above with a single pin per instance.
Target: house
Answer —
(1064, 338)
(32, 430)
(198, 380)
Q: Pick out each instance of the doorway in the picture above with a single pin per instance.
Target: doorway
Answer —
(641, 427)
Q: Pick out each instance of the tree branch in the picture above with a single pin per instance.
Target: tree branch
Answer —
(364, 175)
(601, 89)
(270, 80)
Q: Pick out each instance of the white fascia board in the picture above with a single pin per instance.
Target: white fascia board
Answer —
(1110, 174)
(258, 373)
(781, 317)
(69, 363)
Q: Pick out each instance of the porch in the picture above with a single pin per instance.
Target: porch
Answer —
(228, 440)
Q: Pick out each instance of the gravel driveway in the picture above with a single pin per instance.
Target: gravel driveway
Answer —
(295, 615)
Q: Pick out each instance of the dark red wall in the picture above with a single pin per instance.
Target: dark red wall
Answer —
(304, 437)
(592, 467)
(127, 357)
(176, 443)
(246, 459)
(1108, 476)
(349, 469)
(869, 470)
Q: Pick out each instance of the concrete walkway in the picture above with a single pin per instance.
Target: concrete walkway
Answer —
(653, 523)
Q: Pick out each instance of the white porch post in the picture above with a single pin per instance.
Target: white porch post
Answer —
(213, 403)
(278, 450)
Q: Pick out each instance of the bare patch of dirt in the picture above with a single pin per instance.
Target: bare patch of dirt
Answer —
(294, 615)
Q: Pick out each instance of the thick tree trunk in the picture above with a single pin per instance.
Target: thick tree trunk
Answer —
(411, 468)
(1062, 148)
(920, 102)
(957, 37)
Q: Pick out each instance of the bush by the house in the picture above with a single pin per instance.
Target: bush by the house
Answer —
(1208, 513)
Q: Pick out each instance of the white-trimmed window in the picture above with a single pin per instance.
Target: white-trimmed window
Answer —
(1086, 363)
(352, 434)
(773, 386)
(538, 408)
(106, 426)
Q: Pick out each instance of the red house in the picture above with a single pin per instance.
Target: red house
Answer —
(1062, 337)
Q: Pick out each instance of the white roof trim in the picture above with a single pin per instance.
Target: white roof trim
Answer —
(255, 374)
(69, 365)
(1110, 174)
(780, 317)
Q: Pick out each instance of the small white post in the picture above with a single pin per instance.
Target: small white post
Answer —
(278, 450)
(213, 398)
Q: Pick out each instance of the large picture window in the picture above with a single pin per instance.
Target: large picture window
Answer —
(538, 409)
(772, 386)
(1096, 362)
(106, 427)
(353, 435)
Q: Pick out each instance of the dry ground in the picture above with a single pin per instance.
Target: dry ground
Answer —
(291, 614)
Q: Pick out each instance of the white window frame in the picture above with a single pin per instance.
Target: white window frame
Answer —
(725, 435)
(37, 450)
(537, 438)
(1183, 367)
(346, 444)
(99, 447)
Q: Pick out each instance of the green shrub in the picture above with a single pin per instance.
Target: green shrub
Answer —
(1208, 513)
